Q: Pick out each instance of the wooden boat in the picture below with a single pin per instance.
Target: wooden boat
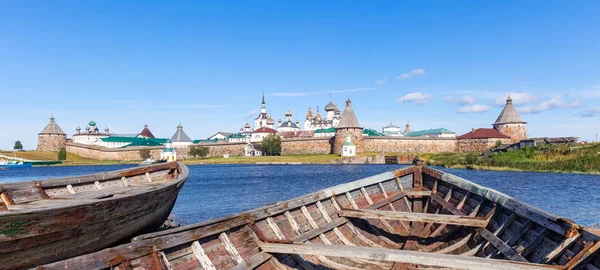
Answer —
(49, 220)
(412, 218)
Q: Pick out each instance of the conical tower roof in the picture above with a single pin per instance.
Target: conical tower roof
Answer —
(509, 114)
(53, 128)
(180, 136)
(146, 132)
(348, 118)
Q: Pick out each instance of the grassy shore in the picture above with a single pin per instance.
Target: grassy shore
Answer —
(304, 159)
(72, 159)
(547, 158)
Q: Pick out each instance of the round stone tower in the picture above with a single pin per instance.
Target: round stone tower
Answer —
(509, 123)
(52, 138)
(348, 127)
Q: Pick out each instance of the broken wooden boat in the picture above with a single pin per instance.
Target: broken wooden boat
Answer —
(412, 218)
(49, 220)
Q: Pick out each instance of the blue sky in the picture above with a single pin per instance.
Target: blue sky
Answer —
(202, 63)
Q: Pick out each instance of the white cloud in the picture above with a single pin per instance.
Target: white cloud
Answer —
(589, 112)
(518, 99)
(462, 101)
(252, 112)
(466, 100)
(477, 108)
(302, 94)
(416, 97)
(378, 82)
(553, 103)
(410, 74)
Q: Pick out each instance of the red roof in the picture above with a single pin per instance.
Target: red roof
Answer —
(265, 130)
(483, 133)
(146, 133)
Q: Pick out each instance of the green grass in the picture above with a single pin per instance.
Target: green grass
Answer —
(305, 159)
(72, 159)
(561, 158)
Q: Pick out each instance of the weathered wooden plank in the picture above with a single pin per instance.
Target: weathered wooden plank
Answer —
(401, 256)
(447, 205)
(500, 245)
(253, 261)
(7, 199)
(317, 231)
(201, 256)
(550, 221)
(559, 249)
(275, 228)
(366, 195)
(416, 217)
(235, 255)
(583, 256)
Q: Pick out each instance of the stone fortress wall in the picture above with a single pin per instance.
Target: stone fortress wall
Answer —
(305, 146)
(409, 145)
(51, 142)
(102, 153)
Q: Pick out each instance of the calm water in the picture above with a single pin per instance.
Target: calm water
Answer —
(216, 190)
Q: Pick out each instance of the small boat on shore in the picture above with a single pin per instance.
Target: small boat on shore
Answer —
(49, 220)
(412, 218)
(14, 164)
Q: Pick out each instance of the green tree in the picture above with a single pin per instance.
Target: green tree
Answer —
(18, 145)
(471, 159)
(497, 144)
(198, 151)
(271, 145)
(62, 154)
(144, 153)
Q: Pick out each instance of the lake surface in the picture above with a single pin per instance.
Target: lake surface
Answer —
(217, 190)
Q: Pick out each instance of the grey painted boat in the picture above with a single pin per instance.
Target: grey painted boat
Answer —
(49, 220)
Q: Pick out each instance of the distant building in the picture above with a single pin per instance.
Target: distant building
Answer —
(52, 138)
(509, 122)
(332, 118)
(238, 137)
(480, 139)
(168, 153)
(180, 139)
(120, 142)
(407, 129)
(91, 135)
(348, 127)
(324, 132)
(252, 149)
(146, 133)
(432, 133)
(371, 133)
(392, 130)
(288, 125)
(220, 136)
(348, 148)
(263, 120)
(259, 134)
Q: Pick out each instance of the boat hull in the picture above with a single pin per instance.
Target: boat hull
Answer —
(411, 218)
(43, 235)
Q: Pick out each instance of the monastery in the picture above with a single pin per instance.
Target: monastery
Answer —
(334, 133)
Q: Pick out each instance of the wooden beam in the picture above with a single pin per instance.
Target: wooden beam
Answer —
(447, 205)
(508, 252)
(401, 256)
(417, 217)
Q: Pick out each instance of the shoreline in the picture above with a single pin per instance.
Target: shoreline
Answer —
(254, 161)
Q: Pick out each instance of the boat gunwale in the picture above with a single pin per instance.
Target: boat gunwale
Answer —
(495, 196)
(70, 203)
